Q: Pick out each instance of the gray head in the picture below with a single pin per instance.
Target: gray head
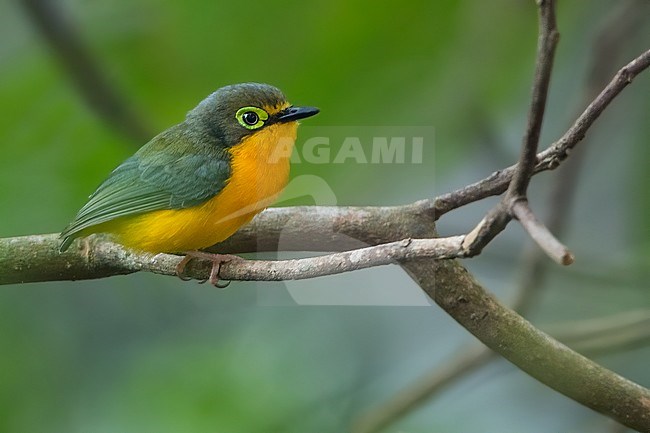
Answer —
(239, 110)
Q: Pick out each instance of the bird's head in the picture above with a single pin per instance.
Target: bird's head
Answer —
(234, 112)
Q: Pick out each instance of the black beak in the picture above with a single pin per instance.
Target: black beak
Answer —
(296, 113)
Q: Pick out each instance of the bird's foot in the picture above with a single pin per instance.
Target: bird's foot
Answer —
(216, 259)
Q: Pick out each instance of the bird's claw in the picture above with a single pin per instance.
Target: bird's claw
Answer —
(222, 286)
(180, 268)
(216, 259)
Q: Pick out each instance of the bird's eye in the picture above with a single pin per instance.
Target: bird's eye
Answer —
(251, 117)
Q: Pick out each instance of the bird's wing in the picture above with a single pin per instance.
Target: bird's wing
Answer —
(153, 179)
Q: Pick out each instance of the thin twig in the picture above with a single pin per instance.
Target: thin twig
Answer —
(540, 234)
(336, 263)
(550, 158)
(535, 267)
(548, 38)
(498, 218)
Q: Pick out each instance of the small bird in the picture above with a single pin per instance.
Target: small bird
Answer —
(198, 182)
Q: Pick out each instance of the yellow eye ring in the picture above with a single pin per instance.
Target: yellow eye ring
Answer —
(251, 117)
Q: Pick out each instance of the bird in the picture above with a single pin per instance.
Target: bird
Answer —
(196, 183)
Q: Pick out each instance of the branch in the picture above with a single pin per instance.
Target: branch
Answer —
(548, 38)
(498, 218)
(36, 258)
(550, 158)
(495, 184)
(530, 349)
(86, 74)
(541, 234)
(620, 331)
(311, 267)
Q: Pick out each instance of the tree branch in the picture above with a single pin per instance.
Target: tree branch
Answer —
(620, 331)
(550, 158)
(533, 351)
(36, 258)
(548, 38)
(498, 218)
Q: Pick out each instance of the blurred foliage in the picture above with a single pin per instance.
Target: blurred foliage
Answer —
(145, 353)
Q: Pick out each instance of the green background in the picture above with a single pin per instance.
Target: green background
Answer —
(146, 353)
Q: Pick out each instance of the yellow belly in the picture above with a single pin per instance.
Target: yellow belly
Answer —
(260, 170)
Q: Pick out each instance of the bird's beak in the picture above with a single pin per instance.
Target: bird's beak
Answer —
(296, 113)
